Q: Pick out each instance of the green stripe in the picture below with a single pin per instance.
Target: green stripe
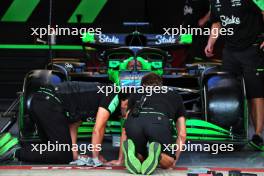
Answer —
(54, 47)
(114, 103)
(48, 93)
(196, 122)
(260, 4)
(20, 10)
(204, 131)
(8, 146)
(150, 112)
(4, 139)
(21, 113)
(209, 138)
(155, 150)
(132, 163)
(89, 9)
(260, 148)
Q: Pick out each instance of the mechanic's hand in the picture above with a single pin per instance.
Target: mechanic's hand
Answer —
(262, 45)
(174, 164)
(115, 163)
(209, 49)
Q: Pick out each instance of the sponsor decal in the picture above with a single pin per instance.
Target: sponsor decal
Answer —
(108, 39)
(161, 39)
(229, 20)
(236, 3)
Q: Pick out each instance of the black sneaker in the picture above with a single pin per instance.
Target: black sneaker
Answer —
(257, 142)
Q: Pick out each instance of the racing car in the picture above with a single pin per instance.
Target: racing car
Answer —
(215, 101)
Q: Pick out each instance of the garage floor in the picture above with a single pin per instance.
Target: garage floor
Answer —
(246, 160)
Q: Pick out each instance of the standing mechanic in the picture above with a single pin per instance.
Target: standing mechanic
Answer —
(196, 14)
(58, 112)
(241, 55)
(149, 121)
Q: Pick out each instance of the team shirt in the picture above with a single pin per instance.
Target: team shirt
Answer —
(82, 99)
(169, 103)
(243, 16)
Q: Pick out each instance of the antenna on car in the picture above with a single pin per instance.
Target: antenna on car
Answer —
(50, 57)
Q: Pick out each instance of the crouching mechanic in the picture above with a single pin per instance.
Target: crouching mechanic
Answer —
(148, 121)
(57, 112)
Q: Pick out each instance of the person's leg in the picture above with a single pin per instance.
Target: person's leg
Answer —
(134, 148)
(99, 129)
(251, 60)
(159, 133)
(152, 161)
(257, 110)
(132, 162)
(74, 132)
(49, 116)
(107, 106)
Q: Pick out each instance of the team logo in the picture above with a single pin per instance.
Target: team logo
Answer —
(187, 10)
(229, 20)
(164, 40)
(108, 39)
(235, 3)
(68, 66)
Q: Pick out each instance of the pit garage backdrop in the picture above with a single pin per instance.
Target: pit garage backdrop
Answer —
(21, 52)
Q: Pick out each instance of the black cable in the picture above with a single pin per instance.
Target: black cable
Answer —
(49, 36)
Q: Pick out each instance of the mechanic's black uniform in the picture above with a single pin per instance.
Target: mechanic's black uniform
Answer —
(240, 55)
(193, 11)
(54, 109)
(154, 120)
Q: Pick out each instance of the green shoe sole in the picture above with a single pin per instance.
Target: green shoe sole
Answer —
(4, 138)
(132, 163)
(152, 161)
(11, 143)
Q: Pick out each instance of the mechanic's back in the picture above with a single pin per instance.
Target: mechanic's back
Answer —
(83, 98)
(168, 103)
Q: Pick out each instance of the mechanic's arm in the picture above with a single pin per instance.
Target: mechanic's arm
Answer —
(181, 129)
(126, 105)
(123, 137)
(73, 131)
(120, 159)
(204, 19)
(99, 129)
(212, 39)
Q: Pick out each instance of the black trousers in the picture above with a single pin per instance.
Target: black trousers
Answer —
(245, 63)
(145, 128)
(53, 130)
